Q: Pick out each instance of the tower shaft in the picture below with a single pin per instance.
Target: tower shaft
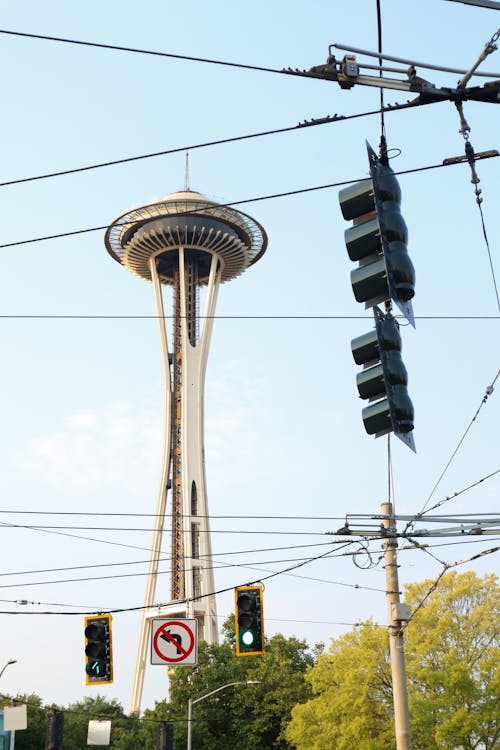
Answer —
(183, 466)
(184, 242)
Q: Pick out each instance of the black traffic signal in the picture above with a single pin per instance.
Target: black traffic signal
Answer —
(165, 740)
(378, 239)
(98, 650)
(383, 380)
(54, 733)
(249, 620)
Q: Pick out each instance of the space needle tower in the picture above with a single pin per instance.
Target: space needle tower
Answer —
(183, 243)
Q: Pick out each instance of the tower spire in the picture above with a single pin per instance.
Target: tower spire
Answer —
(186, 174)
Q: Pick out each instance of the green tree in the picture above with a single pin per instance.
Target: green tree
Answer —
(453, 662)
(243, 717)
(33, 737)
(453, 668)
(126, 733)
(77, 717)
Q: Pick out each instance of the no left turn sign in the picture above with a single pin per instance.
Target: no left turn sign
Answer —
(174, 641)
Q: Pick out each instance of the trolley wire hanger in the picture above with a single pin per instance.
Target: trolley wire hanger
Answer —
(347, 72)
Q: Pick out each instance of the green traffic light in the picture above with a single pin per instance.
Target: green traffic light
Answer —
(247, 637)
(98, 649)
(94, 668)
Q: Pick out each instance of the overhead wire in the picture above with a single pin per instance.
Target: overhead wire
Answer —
(435, 583)
(70, 316)
(141, 51)
(414, 545)
(446, 499)
(273, 574)
(218, 565)
(193, 147)
(271, 196)
(166, 558)
(488, 392)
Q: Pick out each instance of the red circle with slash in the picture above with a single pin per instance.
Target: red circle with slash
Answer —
(175, 640)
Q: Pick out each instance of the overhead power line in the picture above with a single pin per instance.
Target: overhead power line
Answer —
(140, 51)
(491, 4)
(10, 316)
(489, 390)
(245, 201)
(206, 144)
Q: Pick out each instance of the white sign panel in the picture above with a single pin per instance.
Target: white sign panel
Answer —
(174, 641)
(99, 732)
(15, 717)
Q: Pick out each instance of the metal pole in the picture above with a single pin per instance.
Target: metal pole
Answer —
(190, 721)
(399, 688)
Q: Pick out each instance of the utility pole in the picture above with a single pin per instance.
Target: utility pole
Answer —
(397, 613)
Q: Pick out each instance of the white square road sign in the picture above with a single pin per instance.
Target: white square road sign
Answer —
(174, 641)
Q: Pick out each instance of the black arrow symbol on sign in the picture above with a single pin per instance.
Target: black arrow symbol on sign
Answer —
(173, 637)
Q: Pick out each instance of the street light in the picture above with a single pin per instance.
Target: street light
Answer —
(11, 661)
(191, 703)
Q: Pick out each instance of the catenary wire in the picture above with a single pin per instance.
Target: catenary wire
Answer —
(250, 565)
(271, 196)
(223, 565)
(167, 558)
(137, 50)
(422, 515)
(488, 392)
(273, 574)
(435, 584)
(237, 317)
(218, 142)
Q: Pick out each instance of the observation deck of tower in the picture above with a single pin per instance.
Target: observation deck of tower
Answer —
(183, 243)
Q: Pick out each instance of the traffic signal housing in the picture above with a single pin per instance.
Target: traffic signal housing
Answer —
(98, 650)
(384, 380)
(378, 239)
(54, 733)
(249, 620)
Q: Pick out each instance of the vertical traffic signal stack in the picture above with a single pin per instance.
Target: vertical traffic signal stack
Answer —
(249, 620)
(383, 380)
(98, 650)
(378, 240)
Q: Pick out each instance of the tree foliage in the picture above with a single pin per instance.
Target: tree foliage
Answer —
(453, 668)
(246, 717)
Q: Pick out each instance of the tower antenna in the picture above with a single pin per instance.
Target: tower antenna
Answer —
(186, 174)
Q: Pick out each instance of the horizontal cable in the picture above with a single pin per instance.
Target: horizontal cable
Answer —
(272, 196)
(239, 317)
(138, 50)
(206, 144)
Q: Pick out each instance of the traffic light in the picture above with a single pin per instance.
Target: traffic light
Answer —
(98, 650)
(249, 620)
(383, 380)
(165, 739)
(378, 239)
(54, 733)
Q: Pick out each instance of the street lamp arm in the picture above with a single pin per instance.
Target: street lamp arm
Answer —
(11, 661)
(217, 690)
(191, 703)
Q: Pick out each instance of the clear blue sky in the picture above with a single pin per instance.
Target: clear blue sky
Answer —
(81, 397)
